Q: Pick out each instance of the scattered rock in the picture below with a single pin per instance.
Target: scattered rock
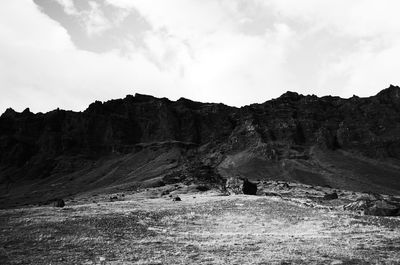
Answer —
(377, 207)
(272, 194)
(165, 192)
(372, 196)
(331, 196)
(113, 198)
(59, 203)
(234, 185)
(357, 206)
(383, 208)
(285, 186)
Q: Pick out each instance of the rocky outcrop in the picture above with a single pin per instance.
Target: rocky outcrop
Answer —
(176, 199)
(294, 137)
(59, 203)
(237, 185)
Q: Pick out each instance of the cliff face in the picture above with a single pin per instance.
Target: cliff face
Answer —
(346, 143)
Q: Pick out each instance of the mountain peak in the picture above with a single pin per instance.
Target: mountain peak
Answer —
(389, 94)
(10, 112)
(290, 95)
(143, 97)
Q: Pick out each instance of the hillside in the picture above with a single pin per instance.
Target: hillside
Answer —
(142, 141)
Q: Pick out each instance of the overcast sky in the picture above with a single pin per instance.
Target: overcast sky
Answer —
(68, 53)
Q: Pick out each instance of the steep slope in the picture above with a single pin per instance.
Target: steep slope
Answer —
(141, 140)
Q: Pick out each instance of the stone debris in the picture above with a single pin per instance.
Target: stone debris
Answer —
(374, 207)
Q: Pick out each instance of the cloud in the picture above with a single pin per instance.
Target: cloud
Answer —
(353, 45)
(95, 21)
(318, 53)
(42, 69)
(68, 6)
(232, 51)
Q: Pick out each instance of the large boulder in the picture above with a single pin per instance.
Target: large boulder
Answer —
(58, 203)
(237, 185)
(383, 208)
(176, 199)
(331, 196)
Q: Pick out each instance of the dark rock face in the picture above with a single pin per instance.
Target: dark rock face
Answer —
(176, 199)
(331, 196)
(249, 188)
(142, 140)
(237, 185)
(59, 203)
(113, 198)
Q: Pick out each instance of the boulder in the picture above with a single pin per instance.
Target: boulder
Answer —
(237, 185)
(273, 194)
(330, 196)
(59, 203)
(113, 198)
(382, 208)
(176, 199)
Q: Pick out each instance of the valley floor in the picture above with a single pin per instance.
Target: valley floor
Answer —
(200, 229)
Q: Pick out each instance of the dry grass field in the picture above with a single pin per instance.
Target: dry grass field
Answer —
(201, 229)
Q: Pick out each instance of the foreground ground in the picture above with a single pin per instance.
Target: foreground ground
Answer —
(200, 229)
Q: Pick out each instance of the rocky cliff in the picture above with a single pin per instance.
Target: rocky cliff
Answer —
(142, 141)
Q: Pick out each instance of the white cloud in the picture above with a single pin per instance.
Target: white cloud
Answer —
(42, 69)
(95, 20)
(232, 51)
(358, 44)
(68, 6)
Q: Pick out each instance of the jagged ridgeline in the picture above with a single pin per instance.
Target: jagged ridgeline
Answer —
(142, 141)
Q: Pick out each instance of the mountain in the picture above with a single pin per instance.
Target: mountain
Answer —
(142, 141)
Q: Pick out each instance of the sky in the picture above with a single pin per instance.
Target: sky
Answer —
(69, 53)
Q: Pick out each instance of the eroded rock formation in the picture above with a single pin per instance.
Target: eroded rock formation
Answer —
(145, 141)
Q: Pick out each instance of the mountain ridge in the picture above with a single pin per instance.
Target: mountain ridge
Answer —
(142, 140)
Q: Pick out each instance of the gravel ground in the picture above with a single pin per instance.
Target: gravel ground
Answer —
(201, 229)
